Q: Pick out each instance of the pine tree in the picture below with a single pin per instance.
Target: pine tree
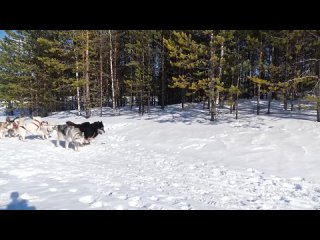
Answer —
(189, 57)
(142, 63)
(16, 72)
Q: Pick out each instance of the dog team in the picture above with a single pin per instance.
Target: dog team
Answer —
(77, 134)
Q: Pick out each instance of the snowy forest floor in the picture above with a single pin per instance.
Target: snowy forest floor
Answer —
(170, 159)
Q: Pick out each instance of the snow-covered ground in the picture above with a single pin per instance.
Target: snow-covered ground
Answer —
(170, 159)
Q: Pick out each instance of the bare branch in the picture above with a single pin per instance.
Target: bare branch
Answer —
(308, 60)
(313, 34)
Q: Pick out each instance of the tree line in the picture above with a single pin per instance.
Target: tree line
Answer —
(43, 71)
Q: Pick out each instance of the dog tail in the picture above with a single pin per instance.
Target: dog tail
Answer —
(69, 123)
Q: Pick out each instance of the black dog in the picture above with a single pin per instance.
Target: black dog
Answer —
(90, 130)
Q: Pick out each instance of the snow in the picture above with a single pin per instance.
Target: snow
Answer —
(170, 159)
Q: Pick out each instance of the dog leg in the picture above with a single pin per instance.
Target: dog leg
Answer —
(76, 146)
(23, 135)
(58, 140)
(87, 141)
(66, 144)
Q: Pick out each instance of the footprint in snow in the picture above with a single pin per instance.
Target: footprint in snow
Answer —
(154, 207)
(225, 198)
(3, 182)
(134, 202)
(98, 204)
(153, 198)
(137, 198)
(184, 206)
(63, 181)
(73, 190)
(119, 207)
(44, 185)
(122, 197)
(86, 199)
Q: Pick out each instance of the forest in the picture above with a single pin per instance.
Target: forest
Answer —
(44, 71)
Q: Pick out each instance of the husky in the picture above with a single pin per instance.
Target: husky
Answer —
(36, 127)
(69, 134)
(90, 130)
(3, 129)
(8, 127)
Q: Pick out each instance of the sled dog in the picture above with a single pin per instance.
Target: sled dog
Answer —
(36, 127)
(90, 130)
(69, 134)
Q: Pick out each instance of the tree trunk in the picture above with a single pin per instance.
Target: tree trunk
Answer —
(212, 108)
(142, 84)
(220, 72)
(78, 88)
(163, 78)
(116, 80)
(238, 83)
(269, 76)
(292, 98)
(141, 104)
(318, 103)
(221, 100)
(318, 94)
(131, 97)
(212, 100)
(148, 110)
(87, 77)
(217, 98)
(36, 106)
(258, 100)
(77, 80)
(131, 90)
(285, 101)
(111, 74)
(204, 103)
(269, 102)
(101, 75)
(182, 98)
(10, 108)
(107, 92)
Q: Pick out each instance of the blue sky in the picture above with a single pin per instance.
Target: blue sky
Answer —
(2, 33)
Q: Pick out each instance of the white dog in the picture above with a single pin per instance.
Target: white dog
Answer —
(7, 128)
(36, 127)
(3, 129)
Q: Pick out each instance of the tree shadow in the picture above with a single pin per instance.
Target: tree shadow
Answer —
(173, 114)
(17, 203)
(248, 107)
(195, 113)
